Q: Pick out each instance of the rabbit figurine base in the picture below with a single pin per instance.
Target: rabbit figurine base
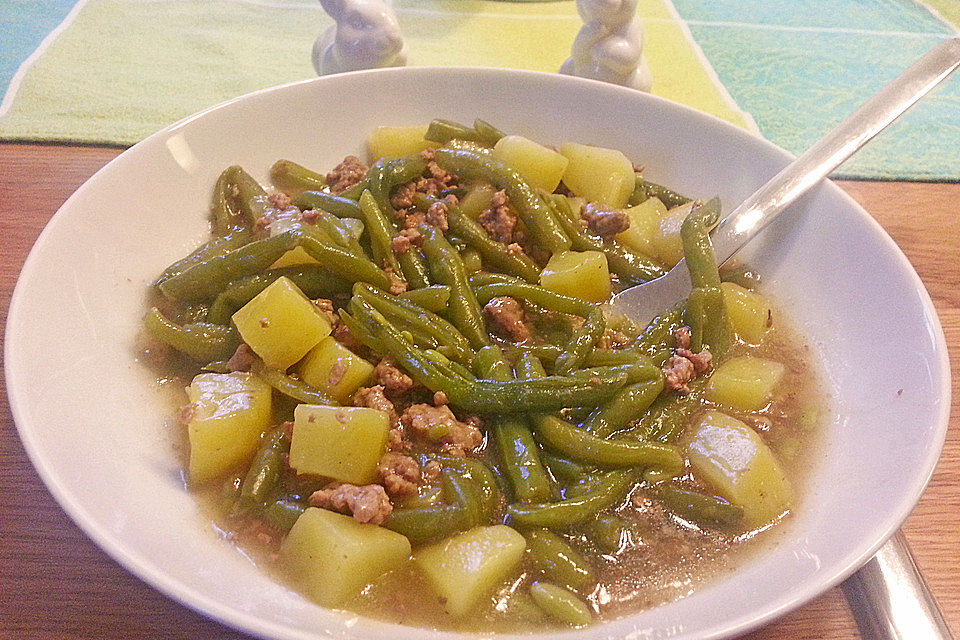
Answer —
(366, 36)
(609, 46)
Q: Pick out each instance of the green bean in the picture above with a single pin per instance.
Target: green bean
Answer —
(706, 314)
(353, 193)
(282, 514)
(529, 367)
(206, 279)
(215, 247)
(292, 178)
(472, 261)
(536, 215)
(579, 445)
(581, 343)
(562, 469)
(560, 604)
(336, 205)
(312, 279)
(444, 131)
(488, 396)
(493, 253)
(607, 532)
(381, 233)
(584, 447)
(610, 489)
(201, 341)
(433, 298)
(347, 265)
(697, 507)
(628, 404)
(667, 196)
(411, 315)
(640, 370)
(359, 330)
(447, 268)
(667, 417)
(450, 367)
(293, 387)
(518, 450)
(238, 201)
(657, 341)
(548, 353)
(488, 133)
(697, 249)
(263, 475)
(740, 274)
(489, 363)
(336, 230)
(632, 267)
(193, 312)
(426, 524)
(639, 193)
(476, 201)
(458, 490)
(558, 561)
(481, 474)
(382, 177)
(535, 294)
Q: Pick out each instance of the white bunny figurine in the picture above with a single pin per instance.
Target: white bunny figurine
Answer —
(366, 36)
(609, 46)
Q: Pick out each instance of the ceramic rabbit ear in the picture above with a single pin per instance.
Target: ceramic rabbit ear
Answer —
(334, 8)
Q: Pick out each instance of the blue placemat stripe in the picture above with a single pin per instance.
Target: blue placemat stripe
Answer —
(26, 27)
(799, 72)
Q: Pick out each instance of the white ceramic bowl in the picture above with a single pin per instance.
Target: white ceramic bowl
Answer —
(94, 423)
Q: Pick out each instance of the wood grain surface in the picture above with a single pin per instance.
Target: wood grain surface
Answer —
(57, 585)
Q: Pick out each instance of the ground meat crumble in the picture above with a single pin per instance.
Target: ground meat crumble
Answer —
(684, 365)
(392, 379)
(399, 474)
(507, 318)
(604, 221)
(499, 221)
(349, 173)
(242, 359)
(367, 504)
(440, 425)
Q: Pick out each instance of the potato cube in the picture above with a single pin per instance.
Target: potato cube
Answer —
(666, 242)
(340, 443)
(540, 166)
(469, 566)
(477, 200)
(581, 274)
(644, 223)
(333, 557)
(295, 256)
(280, 324)
(396, 142)
(745, 382)
(739, 465)
(333, 368)
(229, 412)
(750, 313)
(600, 175)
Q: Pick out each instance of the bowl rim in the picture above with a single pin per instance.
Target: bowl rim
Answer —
(242, 621)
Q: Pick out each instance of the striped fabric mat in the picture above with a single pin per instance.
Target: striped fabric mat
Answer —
(115, 71)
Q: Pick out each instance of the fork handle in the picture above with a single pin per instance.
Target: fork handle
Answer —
(890, 599)
(827, 154)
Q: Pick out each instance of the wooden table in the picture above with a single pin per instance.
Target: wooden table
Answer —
(56, 584)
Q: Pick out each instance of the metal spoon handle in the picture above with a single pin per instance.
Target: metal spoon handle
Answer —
(819, 160)
(890, 599)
